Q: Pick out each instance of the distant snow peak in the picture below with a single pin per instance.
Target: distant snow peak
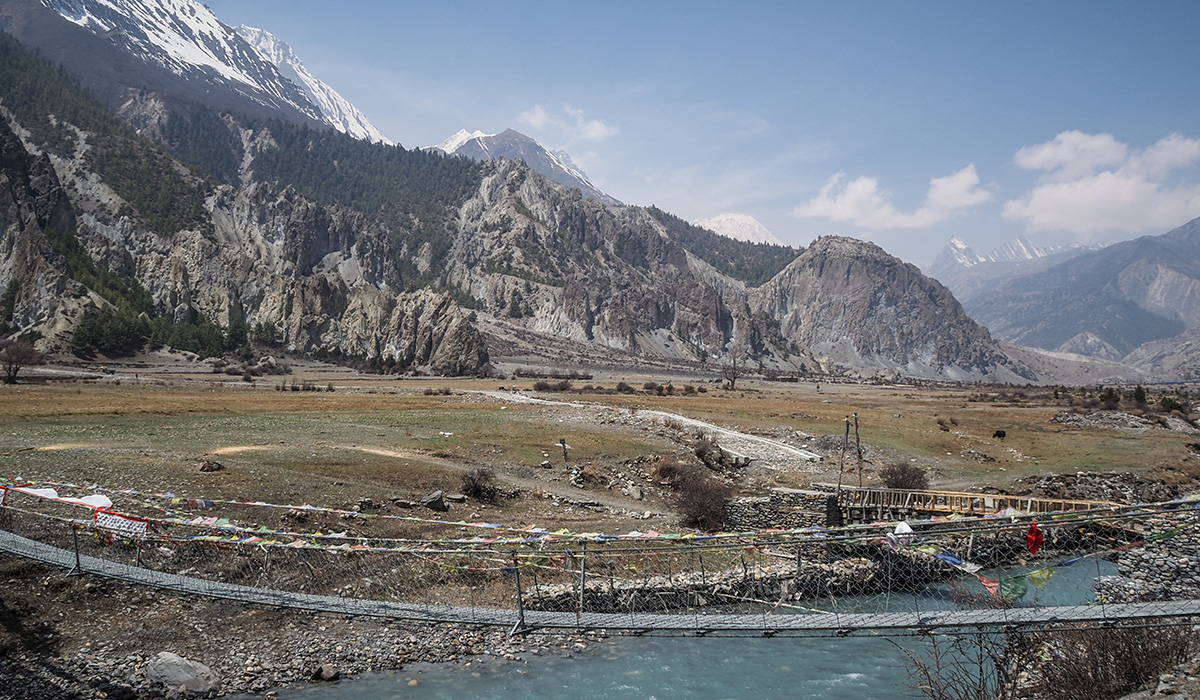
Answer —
(742, 227)
(187, 39)
(460, 137)
(337, 110)
(1020, 249)
(555, 166)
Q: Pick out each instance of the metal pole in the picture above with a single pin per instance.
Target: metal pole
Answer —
(858, 449)
(78, 568)
(520, 626)
(582, 574)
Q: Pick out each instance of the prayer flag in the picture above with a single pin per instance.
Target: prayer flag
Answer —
(991, 584)
(1040, 578)
(1013, 588)
(1034, 539)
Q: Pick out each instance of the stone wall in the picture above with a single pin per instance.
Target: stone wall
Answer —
(783, 508)
(1163, 569)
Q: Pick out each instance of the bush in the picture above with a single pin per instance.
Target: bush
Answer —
(1170, 404)
(904, 476)
(480, 484)
(1101, 662)
(699, 497)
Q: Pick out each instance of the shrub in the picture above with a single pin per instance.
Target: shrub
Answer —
(1171, 404)
(700, 500)
(698, 496)
(480, 484)
(1101, 662)
(904, 476)
(624, 388)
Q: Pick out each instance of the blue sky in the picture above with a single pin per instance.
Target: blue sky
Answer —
(900, 123)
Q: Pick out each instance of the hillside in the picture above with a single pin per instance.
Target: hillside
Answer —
(410, 259)
(1110, 300)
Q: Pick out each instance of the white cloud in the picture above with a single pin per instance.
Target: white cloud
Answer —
(860, 201)
(1072, 154)
(536, 118)
(571, 122)
(1092, 183)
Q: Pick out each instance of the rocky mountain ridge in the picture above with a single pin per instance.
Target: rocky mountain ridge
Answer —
(425, 261)
(555, 166)
(1104, 303)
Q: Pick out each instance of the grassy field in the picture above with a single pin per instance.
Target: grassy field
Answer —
(383, 438)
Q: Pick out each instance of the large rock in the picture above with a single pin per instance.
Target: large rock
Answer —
(174, 671)
(436, 501)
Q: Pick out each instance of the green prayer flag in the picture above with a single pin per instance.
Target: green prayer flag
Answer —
(1013, 588)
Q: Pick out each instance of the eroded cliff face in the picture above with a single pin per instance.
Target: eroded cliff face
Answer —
(544, 266)
(322, 275)
(547, 260)
(32, 202)
(852, 302)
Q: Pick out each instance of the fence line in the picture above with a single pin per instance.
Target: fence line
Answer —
(825, 582)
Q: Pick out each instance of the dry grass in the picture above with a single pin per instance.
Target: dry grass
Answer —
(381, 438)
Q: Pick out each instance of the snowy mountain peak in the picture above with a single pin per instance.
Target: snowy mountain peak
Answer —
(555, 166)
(1019, 249)
(462, 136)
(187, 39)
(337, 111)
(742, 227)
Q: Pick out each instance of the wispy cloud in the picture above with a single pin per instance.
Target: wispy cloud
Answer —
(860, 201)
(569, 122)
(1092, 183)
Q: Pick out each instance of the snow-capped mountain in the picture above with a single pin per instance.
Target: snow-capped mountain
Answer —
(1020, 249)
(742, 227)
(555, 166)
(335, 109)
(971, 275)
(186, 39)
(956, 254)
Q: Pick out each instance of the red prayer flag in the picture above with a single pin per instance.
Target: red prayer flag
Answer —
(1034, 539)
(991, 584)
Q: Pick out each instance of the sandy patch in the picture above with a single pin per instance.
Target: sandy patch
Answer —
(63, 446)
(235, 449)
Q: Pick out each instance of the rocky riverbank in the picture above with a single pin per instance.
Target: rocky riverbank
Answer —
(82, 637)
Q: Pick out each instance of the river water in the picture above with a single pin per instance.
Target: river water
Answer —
(687, 668)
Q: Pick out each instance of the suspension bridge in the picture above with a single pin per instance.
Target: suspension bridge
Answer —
(806, 582)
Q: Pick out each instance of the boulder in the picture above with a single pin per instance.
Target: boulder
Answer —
(208, 465)
(174, 671)
(326, 672)
(435, 501)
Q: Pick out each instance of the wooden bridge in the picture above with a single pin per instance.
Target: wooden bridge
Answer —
(871, 504)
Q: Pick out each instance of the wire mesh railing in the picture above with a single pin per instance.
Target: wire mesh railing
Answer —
(1119, 563)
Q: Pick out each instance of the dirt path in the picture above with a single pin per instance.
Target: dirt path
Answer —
(765, 452)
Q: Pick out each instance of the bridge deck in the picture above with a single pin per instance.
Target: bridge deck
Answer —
(961, 502)
(684, 622)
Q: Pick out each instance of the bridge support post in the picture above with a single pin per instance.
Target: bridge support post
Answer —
(520, 627)
(582, 576)
(76, 570)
